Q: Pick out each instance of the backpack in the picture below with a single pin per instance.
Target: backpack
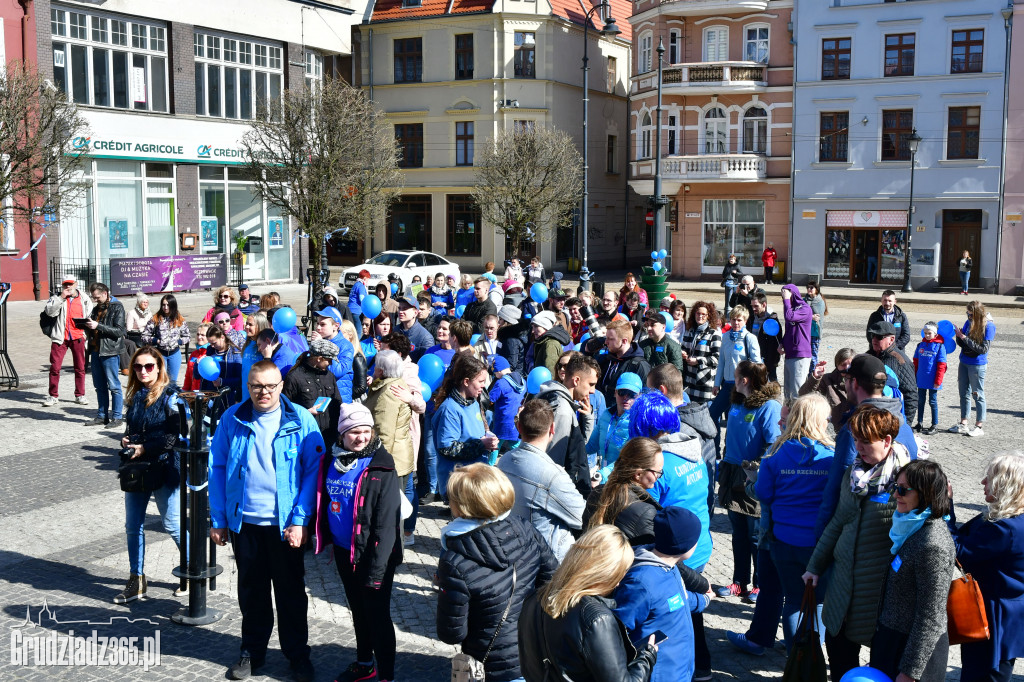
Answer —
(47, 322)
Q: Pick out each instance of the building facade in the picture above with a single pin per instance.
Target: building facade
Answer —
(869, 74)
(167, 89)
(726, 119)
(451, 75)
(1011, 247)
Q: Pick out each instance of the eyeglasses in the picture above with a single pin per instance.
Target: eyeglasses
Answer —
(658, 473)
(149, 366)
(264, 388)
(902, 490)
(624, 393)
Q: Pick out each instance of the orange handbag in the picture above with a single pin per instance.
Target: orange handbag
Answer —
(965, 610)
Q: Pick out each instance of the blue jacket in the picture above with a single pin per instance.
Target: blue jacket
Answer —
(930, 360)
(652, 597)
(341, 366)
(465, 296)
(791, 483)
(298, 448)
(355, 298)
(685, 484)
(846, 453)
(458, 428)
(753, 425)
(507, 395)
(972, 353)
(447, 299)
(232, 375)
(609, 435)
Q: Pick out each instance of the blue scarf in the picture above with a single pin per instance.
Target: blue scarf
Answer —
(905, 525)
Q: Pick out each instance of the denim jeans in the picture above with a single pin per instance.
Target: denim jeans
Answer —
(719, 406)
(971, 382)
(431, 450)
(106, 380)
(791, 563)
(933, 399)
(965, 278)
(730, 289)
(173, 362)
(815, 346)
(744, 549)
(768, 609)
(135, 516)
(408, 485)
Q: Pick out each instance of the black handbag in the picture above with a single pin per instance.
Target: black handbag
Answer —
(47, 322)
(141, 475)
(806, 661)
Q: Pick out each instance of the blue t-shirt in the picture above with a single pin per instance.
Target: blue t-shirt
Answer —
(341, 488)
(751, 431)
(990, 333)
(259, 505)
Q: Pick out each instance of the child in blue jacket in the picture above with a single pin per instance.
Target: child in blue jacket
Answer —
(652, 595)
(506, 395)
(930, 363)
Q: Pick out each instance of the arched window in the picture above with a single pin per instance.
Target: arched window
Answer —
(716, 44)
(646, 136)
(716, 131)
(755, 43)
(755, 131)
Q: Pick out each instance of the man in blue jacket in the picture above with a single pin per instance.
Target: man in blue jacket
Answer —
(263, 468)
(328, 328)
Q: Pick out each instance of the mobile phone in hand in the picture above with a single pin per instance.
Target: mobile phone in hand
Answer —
(659, 637)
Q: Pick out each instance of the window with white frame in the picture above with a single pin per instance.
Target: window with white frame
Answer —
(646, 136)
(755, 43)
(314, 71)
(755, 131)
(643, 64)
(716, 131)
(675, 44)
(716, 44)
(95, 63)
(235, 76)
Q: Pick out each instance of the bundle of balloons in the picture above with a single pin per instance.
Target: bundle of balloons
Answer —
(657, 257)
(209, 368)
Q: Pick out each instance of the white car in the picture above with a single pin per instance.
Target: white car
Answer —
(403, 263)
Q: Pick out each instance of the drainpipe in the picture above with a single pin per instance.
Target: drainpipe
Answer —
(28, 195)
(629, 146)
(1007, 13)
(792, 168)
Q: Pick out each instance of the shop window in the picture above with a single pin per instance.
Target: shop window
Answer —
(755, 131)
(897, 126)
(899, 54)
(968, 51)
(230, 83)
(408, 60)
(834, 136)
(463, 226)
(410, 144)
(733, 226)
(836, 54)
(525, 54)
(963, 132)
(464, 56)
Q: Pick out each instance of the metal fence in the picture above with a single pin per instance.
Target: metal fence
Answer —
(85, 270)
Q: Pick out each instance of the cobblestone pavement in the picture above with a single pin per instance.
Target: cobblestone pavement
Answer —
(62, 542)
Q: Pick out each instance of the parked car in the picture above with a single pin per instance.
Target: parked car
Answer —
(404, 263)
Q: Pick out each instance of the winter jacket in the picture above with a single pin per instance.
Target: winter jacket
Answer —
(298, 448)
(704, 346)
(930, 363)
(667, 350)
(587, 644)
(458, 427)
(342, 367)
(856, 541)
(442, 297)
(971, 352)
(475, 586)
(732, 273)
(507, 395)
(76, 306)
(391, 417)
(650, 598)
(359, 374)
(739, 297)
(237, 318)
(736, 347)
(768, 257)
(612, 367)
(155, 427)
(248, 309)
(108, 337)
(476, 312)
(903, 368)
(231, 375)
(695, 420)
(548, 348)
(304, 385)
(899, 321)
(846, 453)
(376, 517)
(752, 427)
(636, 520)
(568, 448)
(833, 387)
(797, 341)
(545, 497)
(791, 483)
(685, 484)
(993, 552)
(914, 597)
(514, 339)
(769, 345)
(607, 438)
(166, 337)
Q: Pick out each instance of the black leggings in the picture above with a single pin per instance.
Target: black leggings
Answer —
(371, 612)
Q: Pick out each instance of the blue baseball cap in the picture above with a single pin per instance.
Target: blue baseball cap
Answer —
(331, 312)
(630, 382)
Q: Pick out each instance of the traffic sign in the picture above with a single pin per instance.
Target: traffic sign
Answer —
(649, 218)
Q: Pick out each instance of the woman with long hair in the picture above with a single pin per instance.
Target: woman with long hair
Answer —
(228, 357)
(465, 294)
(254, 324)
(226, 299)
(819, 307)
(567, 630)
(459, 428)
(701, 344)
(678, 312)
(151, 433)
(359, 361)
(631, 285)
(491, 562)
(168, 332)
(965, 265)
(624, 501)
(974, 339)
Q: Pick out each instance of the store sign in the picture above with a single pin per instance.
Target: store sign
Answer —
(164, 150)
(866, 219)
(167, 273)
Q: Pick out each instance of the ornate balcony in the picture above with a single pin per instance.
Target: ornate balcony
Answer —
(675, 170)
(694, 8)
(706, 78)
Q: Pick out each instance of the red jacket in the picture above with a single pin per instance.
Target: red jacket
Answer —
(768, 257)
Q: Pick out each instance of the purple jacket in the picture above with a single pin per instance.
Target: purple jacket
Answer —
(797, 341)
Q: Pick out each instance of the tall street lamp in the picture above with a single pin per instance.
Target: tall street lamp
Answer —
(610, 30)
(912, 142)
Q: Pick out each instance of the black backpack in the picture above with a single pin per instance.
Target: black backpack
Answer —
(47, 322)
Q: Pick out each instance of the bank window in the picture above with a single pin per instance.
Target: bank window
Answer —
(464, 56)
(227, 85)
(968, 51)
(733, 226)
(92, 73)
(463, 226)
(834, 136)
(408, 60)
(525, 54)
(963, 132)
(899, 54)
(464, 143)
(835, 58)
(897, 126)
(410, 144)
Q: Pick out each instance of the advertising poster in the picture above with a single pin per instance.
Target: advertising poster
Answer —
(275, 226)
(209, 229)
(167, 273)
(118, 230)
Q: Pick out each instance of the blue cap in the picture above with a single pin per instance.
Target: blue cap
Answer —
(630, 382)
(676, 530)
(331, 312)
(500, 364)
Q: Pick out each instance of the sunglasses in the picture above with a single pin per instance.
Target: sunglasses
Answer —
(624, 393)
(149, 366)
(902, 490)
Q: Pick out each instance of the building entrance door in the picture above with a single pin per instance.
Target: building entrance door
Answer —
(961, 231)
(865, 256)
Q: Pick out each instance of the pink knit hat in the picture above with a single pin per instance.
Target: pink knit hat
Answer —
(353, 415)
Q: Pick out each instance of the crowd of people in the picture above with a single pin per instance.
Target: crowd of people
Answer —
(576, 445)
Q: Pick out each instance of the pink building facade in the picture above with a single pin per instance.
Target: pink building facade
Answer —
(1011, 256)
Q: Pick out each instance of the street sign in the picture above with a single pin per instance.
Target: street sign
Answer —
(649, 218)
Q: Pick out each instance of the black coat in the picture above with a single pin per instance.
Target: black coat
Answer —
(155, 427)
(899, 320)
(514, 340)
(475, 582)
(476, 312)
(612, 367)
(587, 644)
(906, 375)
(304, 385)
(358, 376)
(733, 272)
(108, 337)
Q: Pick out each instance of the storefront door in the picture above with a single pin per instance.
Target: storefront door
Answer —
(961, 231)
(865, 256)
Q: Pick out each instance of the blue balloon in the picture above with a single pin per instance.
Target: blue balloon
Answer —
(284, 320)
(657, 267)
(371, 307)
(770, 327)
(669, 322)
(947, 330)
(427, 391)
(473, 339)
(539, 292)
(209, 368)
(394, 288)
(663, 253)
(585, 337)
(865, 674)
(654, 255)
(537, 377)
(577, 347)
(459, 310)
(431, 369)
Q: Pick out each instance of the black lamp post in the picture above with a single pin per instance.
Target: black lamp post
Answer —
(912, 142)
(610, 30)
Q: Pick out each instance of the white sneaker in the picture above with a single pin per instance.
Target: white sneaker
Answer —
(81, 400)
(958, 428)
(50, 401)
(410, 540)
(976, 432)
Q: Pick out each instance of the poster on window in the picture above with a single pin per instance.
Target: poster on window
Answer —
(276, 228)
(209, 229)
(893, 254)
(837, 261)
(138, 84)
(117, 228)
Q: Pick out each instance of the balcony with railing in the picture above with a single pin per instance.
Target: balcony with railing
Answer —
(706, 78)
(704, 167)
(705, 7)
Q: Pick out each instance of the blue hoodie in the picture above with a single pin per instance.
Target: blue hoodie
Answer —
(792, 482)
(685, 484)
(753, 425)
(507, 395)
(652, 597)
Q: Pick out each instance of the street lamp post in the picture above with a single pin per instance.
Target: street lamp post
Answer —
(611, 30)
(659, 200)
(912, 142)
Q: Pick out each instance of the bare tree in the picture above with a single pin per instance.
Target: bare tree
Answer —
(40, 161)
(328, 159)
(528, 181)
